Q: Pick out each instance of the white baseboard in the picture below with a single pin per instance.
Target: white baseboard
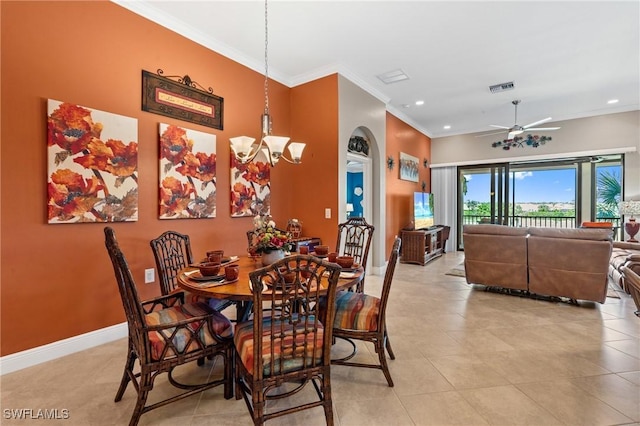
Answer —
(35, 356)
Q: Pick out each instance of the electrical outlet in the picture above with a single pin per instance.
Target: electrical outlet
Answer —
(149, 275)
(327, 213)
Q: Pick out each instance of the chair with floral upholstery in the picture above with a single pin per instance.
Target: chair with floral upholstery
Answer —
(287, 346)
(165, 332)
(172, 252)
(354, 239)
(360, 316)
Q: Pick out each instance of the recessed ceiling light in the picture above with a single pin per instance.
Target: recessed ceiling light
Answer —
(406, 106)
(419, 103)
(447, 127)
(613, 101)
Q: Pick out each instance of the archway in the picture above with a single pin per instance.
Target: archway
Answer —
(371, 198)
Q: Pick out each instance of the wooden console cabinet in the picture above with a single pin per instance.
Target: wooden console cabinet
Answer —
(422, 245)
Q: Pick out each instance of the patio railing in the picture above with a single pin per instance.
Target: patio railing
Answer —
(541, 221)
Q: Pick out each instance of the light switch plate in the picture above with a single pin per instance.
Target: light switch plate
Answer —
(149, 275)
(327, 213)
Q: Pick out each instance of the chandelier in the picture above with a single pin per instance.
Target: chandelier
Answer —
(244, 147)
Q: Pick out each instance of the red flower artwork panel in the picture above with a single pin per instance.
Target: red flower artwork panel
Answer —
(92, 165)
(250, 187)
(187, 173)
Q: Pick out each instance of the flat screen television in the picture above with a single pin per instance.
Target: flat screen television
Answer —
(422, 210)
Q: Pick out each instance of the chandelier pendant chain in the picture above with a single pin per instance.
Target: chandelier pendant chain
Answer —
(266, 118)
(246, 148)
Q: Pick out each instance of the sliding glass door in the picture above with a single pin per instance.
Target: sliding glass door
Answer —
(483, 195)
(556, 193)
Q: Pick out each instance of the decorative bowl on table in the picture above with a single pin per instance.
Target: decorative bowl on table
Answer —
(345, 261)
(321, 250)
(208, 269)
(289, 277)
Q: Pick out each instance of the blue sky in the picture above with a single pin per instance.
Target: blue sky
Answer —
(530, 186)
(536, 186)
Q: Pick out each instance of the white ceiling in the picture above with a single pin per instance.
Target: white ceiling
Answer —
(567, 58)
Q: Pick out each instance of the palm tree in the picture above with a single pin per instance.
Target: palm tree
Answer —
(609, 191)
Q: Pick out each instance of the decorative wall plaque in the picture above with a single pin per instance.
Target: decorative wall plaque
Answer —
(181, 99)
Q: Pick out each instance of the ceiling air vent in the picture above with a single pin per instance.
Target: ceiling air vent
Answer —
(393, 76)
(501, 87)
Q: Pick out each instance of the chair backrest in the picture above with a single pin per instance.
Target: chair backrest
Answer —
(128, 292)
(293, 318)
(172, 251)
(354, 239)
(388, 278)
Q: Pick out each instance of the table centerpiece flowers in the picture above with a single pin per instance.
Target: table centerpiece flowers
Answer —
(268, 241)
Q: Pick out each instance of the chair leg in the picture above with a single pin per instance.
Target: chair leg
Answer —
(327, 403)
(388, 345)
(228, 373)
(128, 369)
(258, 402)
(146, 383)
(382, 357)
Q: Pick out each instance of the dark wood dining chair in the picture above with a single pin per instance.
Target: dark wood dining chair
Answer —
(354, 239)
(165, 332)
(360, 316)
(286, 346)
(172, 252)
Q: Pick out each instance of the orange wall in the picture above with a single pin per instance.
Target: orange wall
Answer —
(314, 118)
(403, 138)
(57, 280)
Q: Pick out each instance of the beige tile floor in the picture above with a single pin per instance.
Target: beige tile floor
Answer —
(463, 357)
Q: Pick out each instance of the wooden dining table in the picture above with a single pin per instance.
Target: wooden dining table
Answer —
(239, 291)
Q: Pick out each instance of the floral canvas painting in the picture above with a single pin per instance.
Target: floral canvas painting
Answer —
(250, 187)
(187, 173)
(92, 165)
(408, 167)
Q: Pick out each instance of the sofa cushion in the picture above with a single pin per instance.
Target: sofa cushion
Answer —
(571, 263)
(495, 230)
(619, 257)
(595, 234)
(496, 255)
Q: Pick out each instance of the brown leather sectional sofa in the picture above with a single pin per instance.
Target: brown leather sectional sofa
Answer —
(624, 254)
(632, 280)
(570, 263)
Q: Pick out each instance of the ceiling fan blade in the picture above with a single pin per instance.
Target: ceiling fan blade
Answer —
(499, 127)
(544, 120)
(541, 128)
(489, 134)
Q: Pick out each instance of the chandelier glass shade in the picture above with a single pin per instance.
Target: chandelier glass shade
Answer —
(246, 148)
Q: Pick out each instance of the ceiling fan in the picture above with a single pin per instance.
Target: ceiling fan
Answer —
(516, 129)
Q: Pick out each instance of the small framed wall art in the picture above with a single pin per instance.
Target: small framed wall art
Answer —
(409, 167)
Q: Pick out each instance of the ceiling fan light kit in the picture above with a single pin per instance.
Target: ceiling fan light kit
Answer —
(514, 140)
